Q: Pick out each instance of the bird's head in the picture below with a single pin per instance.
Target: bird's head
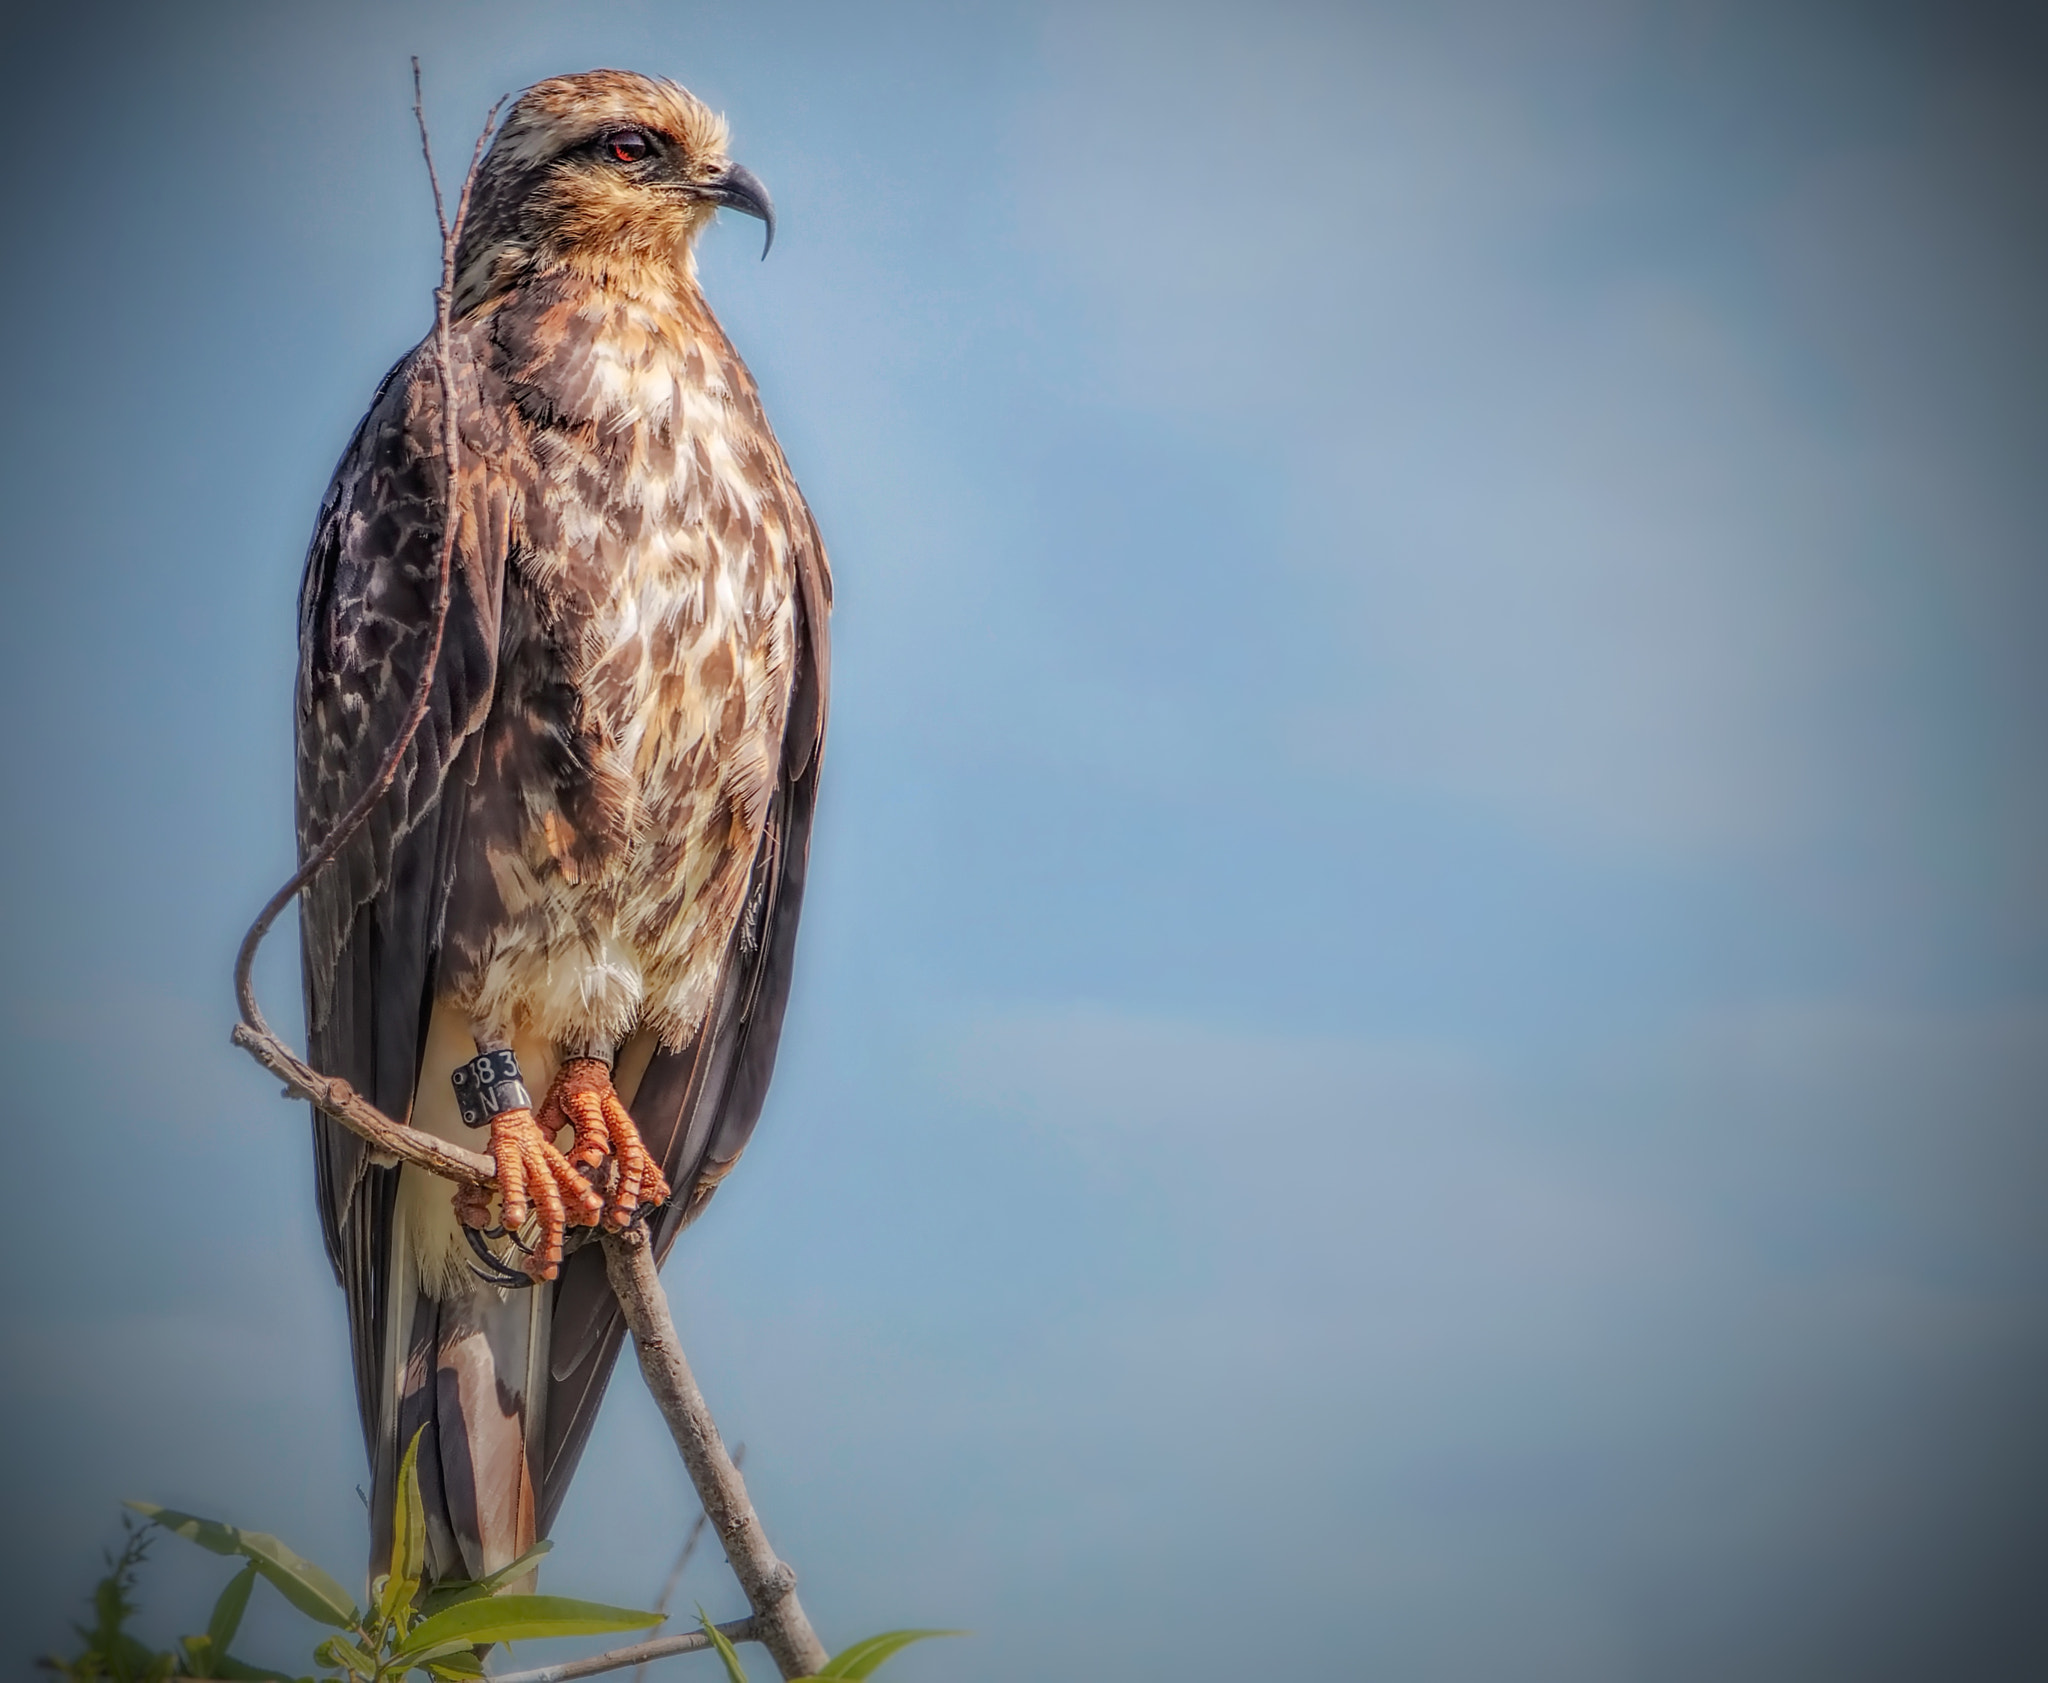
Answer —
(607, 172)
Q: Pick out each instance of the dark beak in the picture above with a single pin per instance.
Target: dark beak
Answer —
(738, 188)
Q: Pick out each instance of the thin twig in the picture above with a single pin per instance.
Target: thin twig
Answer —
(696, 1536)
(339, 1100)
(770, 1584)
(740, 1630)
(254, 1034)
(675, 1572)
(690, 1542)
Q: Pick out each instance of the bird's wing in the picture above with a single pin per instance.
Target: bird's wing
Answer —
(696, 1107)
(370, 922)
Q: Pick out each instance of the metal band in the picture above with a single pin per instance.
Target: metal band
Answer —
(489, 1085)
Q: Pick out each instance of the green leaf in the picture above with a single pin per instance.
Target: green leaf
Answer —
(497, 1580)
(864, 1658)
(408, 1531)
(448, 1594)
(338, 1650)
(726, 1652)
(228, 1610)
(299, 1581)
(440, 1654)
(520, 1618)
(199, 1652)
(456, 1666)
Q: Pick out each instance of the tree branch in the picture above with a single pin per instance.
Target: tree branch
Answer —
(770, 1585)
(336, 1098)
(423, 691)
(740, 1630)
(253, 1034)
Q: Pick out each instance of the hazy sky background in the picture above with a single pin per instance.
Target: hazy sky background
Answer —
(1423, 1023)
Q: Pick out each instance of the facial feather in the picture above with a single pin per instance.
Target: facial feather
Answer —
(545, 195)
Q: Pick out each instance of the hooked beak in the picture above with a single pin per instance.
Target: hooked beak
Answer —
(738, 188)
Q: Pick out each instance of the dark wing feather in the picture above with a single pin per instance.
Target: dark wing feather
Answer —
(697, 1107)
(370, 922)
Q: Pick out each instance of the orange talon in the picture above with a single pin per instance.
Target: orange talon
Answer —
(533, 1179)
(582, 1098)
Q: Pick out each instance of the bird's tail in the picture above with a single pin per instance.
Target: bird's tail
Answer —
(465, 1364)
(473, 1385)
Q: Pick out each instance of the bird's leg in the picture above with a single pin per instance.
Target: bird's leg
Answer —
(582, 1098)
(534, 1179)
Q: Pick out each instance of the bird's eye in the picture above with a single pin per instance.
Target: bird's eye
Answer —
(628, 146)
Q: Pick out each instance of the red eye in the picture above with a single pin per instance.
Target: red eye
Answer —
(629, 146)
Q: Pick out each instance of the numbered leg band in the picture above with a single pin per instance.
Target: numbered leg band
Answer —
(487, 1085)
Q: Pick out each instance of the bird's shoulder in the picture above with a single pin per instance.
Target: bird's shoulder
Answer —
(376, 537)
(367, 618)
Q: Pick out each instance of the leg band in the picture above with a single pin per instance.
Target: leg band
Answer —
(488, 1085)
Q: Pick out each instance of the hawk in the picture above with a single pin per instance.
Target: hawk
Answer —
(584, 882)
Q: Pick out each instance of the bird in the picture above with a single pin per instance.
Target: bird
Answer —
(585, 879)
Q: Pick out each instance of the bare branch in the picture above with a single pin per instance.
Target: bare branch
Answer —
(770, 1585)
(339, 1100)
(254, 1035)
(740, 1630)
(423, 691)
(419, 116)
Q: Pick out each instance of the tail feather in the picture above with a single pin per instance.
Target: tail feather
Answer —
(464, 1362)
(467, 1390)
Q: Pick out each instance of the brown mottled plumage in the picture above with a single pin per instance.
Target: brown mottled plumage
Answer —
(596, 843)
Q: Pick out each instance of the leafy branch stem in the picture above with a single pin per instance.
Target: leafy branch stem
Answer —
(689, 1642)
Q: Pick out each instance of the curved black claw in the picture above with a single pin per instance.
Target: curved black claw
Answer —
(506, 1233)
(494, 1272)
(505, 1279)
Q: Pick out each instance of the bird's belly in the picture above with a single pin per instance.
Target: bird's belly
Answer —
(616, 909)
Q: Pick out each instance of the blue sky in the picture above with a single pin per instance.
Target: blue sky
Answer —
(1423, 1028)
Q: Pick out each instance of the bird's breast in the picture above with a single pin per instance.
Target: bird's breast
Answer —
(651, 692)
